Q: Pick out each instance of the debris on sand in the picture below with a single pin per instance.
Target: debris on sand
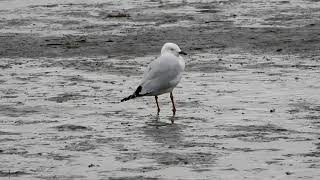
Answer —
(289, 173)
(118, 15)
(65, 97)
(93, 165)
(71, 127)
(13, 174)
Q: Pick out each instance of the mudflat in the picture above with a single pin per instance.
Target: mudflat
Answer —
(247, 106)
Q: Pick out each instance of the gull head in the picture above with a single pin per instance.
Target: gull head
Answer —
(172, 48)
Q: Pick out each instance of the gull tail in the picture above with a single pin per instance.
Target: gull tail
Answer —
(134, 95)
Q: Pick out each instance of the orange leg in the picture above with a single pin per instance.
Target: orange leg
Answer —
(156, 97)
(173, 106)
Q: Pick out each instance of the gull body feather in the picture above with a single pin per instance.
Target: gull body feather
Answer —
(162, 75)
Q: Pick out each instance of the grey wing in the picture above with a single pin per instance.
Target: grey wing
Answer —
(162, 73)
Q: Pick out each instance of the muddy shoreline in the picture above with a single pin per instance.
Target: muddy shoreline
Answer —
(222, 37)
(205, 27)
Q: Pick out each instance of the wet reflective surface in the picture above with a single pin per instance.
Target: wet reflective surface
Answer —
(256, 117)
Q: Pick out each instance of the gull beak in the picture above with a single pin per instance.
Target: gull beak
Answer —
(181, 52)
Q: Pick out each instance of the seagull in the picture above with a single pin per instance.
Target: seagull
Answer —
(162, 75)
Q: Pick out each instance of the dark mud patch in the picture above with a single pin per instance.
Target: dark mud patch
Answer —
(129, 156)
(133, 178)
(54, 177)
(11, 111)
(211, 11)
(314, 153)
(250, 149)
(61, 98)
(192, 159)
(141, 169)
(283, 66)
(67, 42)
(256, 128)
(311, 154)
(44, 6)
(158, 124)
(9, 173)
(304, 106)
(67, 138)
(224, 36)
(312, 117)
(196, 159)
(10, 91)
(198, 145)
(306, 111)
(9, 133)
(71, 127)
(56, 156)
(9, 97)
(15, 151)
(25, 122)
(81, 146)
(227, 169)
(5, 66)
(6, 140)
(119, 114)
(257, 133)
(28, 78)
(79, 78)
(18, 22)
(255, 137)
(110, 140)
(162, 19)
(278, 161)
(49, 155)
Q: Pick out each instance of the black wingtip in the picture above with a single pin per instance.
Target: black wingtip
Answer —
(138, 90)
(127, 98)
(134, 95)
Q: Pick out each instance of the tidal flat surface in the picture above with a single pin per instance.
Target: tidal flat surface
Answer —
(247, 106)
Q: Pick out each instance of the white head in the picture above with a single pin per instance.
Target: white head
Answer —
(172, 48)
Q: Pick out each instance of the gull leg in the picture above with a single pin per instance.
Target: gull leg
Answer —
(156, 97)
(173, 106)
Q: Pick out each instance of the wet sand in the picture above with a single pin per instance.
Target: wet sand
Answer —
(247, 106)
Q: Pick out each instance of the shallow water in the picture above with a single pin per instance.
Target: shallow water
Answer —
(253, 116)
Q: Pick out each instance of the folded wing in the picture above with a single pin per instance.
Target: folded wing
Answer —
(161, 74)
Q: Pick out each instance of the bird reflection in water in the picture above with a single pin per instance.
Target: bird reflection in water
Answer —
(163, 132)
